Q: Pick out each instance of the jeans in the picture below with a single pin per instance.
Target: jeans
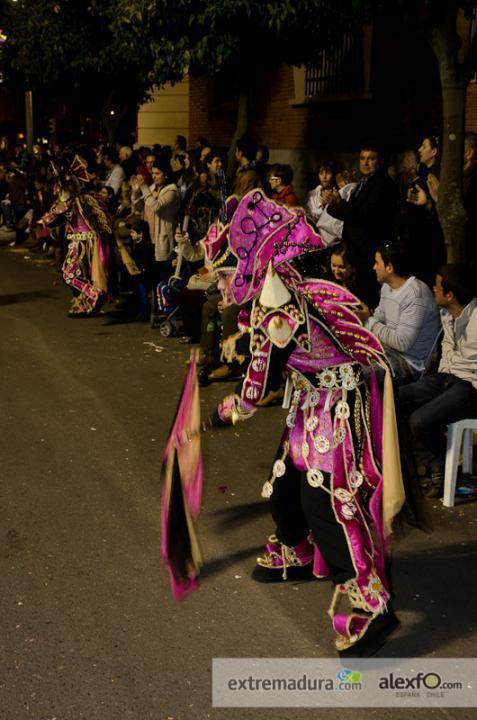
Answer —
(433, 402)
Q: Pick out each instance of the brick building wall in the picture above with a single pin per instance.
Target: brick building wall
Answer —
(471, 108)
(404, 105)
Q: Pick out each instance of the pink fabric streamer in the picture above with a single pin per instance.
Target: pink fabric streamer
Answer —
(183, 476)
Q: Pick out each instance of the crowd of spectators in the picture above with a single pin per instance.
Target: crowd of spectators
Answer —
(380, 223)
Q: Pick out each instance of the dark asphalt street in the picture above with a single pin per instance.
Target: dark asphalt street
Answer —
(88, 627)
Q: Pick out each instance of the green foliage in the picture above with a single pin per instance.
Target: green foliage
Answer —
(68, 47)
(233, 36)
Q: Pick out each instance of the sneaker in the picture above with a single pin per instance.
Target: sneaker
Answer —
(283, 562)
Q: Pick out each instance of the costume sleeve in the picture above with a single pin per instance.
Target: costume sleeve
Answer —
(266, 366)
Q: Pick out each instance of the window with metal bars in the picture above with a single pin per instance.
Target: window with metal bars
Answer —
(339, 70)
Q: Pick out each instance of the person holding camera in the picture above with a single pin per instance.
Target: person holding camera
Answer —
(421, 221)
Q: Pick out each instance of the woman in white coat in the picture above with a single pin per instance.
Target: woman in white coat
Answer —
(161, 203)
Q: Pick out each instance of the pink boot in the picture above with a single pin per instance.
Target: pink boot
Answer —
(282, 562)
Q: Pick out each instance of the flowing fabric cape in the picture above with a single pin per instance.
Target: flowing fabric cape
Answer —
(182, 491)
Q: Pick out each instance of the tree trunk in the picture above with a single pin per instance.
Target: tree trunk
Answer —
(240, 130)
(112, 122)
(450, 205)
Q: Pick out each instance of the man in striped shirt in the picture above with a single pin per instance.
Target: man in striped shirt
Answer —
(406, 320)
(450, 394)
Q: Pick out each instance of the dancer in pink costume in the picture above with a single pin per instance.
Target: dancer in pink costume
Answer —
(336, 482)
(88, 231)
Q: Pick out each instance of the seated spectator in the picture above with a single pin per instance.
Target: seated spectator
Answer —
(344, 272)
(406, 320)
(280, 179)
(219, 322)
(450, 394)
(247, 177)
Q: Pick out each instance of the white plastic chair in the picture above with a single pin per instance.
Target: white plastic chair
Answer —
(463, 429)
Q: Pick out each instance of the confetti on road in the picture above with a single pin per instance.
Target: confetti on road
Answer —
(156, 348)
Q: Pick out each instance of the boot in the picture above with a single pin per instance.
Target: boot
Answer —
(374, 637)
(282, 562)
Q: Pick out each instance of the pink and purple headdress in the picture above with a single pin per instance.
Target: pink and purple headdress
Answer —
(263, 232)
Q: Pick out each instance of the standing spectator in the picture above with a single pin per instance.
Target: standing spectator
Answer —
(470, 197)
(203, 203)
(450, 394)
(143, 255)
(280, 179)
(16, 202)
(406, 320)
(180, 144)
(115, 174)
(161, 206)
(370, 213)
(421, 221)
(3, 184)
(145, 166)
(184, 173)
(262, 157)
(127, 161)
(247, 177)
(326, 181)
(329, 227)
